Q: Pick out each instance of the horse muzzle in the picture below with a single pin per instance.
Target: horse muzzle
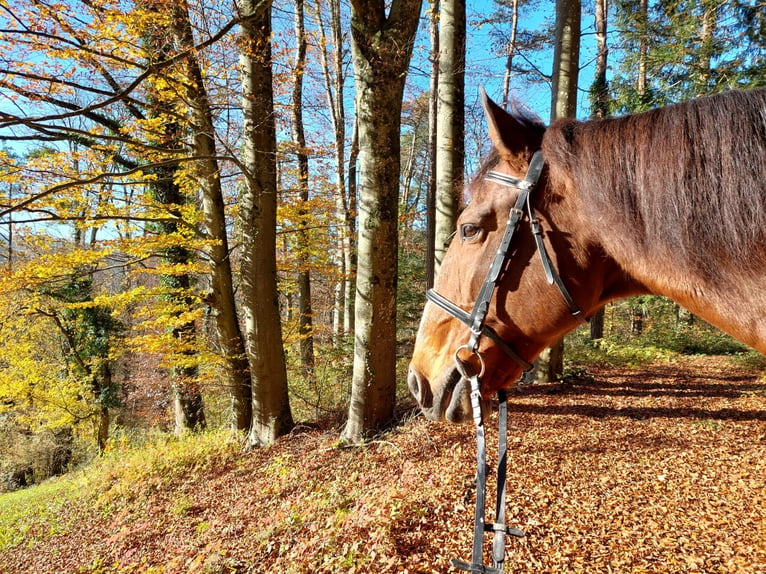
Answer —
(448, 400)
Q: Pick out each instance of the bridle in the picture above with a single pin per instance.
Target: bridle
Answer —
(476, 322)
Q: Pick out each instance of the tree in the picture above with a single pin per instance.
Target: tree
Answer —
(382, 44)
(566, 62)
(334, 78)
(600, 109)
(272, 416)
(511, 50)
(208, 175)
(677, 50)
(305, 313)
(450, 148)
(165, 189)
(119, 126)
(433, 109)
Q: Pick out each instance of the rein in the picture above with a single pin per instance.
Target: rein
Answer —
(476, 322)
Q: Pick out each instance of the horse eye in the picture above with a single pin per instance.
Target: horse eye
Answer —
(469, 231)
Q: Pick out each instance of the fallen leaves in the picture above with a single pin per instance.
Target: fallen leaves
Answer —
(632, 471)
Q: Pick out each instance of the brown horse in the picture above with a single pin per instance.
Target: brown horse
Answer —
(670, 202)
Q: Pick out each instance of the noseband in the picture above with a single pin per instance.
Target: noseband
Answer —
(476, 322)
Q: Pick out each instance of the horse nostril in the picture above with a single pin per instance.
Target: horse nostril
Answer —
(420, 389)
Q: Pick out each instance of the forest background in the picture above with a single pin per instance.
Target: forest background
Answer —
(184, 200)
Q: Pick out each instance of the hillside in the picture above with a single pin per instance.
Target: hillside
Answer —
(654, 470)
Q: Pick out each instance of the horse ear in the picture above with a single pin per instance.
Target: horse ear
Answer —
(514, 139)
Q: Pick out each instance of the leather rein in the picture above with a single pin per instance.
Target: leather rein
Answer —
(476, 322)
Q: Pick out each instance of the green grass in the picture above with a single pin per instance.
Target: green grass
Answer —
(35, 508)
(127, 472)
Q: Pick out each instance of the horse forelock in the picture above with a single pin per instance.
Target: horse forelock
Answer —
(687, 181)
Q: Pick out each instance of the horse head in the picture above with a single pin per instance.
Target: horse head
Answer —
(525, 313)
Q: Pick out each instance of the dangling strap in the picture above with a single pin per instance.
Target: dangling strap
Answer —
(479, 528)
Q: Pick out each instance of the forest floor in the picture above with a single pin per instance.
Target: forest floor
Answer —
(657, 469)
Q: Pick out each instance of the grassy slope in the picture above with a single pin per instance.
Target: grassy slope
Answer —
(658, 470)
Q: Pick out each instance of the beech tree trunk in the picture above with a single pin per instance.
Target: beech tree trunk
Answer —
(382, 46)
(450, 149)
(188, 405)
(305, 313)
(221, 298)
(258, 222)
(334, 77)
(566, 62)
(600, 89)
(511, 50)
(433, 109)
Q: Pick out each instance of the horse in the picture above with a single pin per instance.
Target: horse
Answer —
(670, 202)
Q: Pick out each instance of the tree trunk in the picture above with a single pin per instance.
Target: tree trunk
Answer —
(350, 262)
(597, 325)
(643, 51)
(382, 47)
(450, 120)
(258, 221)
(566, 60)
(566, 53)
(305, 313)
(433, 107)
(636, 321)
(334, 77)
(600, 90)
(221, 298)
(511, 50)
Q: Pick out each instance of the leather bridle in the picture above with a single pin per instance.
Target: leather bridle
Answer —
(476, 322)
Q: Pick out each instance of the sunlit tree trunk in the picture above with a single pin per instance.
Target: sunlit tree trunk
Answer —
(450, 153)
(511, 50)
(600, 88)
(382, 46)
(258, 222)
(305, 313)
(334, 77)
(566, 58)
(433, 108)
(221, 298)
(643, 50)
(600, 110)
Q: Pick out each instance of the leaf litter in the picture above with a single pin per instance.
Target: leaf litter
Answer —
(658, 469)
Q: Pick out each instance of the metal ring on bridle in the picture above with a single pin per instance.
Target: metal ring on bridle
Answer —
(462, 366)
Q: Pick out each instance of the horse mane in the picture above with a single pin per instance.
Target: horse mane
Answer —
(686, 182)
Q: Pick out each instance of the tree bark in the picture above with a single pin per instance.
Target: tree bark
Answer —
(511, 50)
(600, 90)
(258, 221)
(643, 51)
(566, 60)
(382, 46)
(334, 77)
(305, 313)
(566, 56)
(221, 298)
(450, 148)
(433, 109)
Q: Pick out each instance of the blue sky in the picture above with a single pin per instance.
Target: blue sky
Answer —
(484, 65)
